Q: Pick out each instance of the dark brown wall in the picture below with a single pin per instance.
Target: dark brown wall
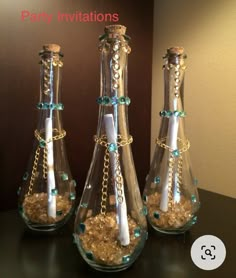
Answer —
(19, 77)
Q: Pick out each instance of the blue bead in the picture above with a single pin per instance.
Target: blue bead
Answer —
(59, 106)
(72, 196)
(25, 177)
(194, 220)
(195, 181)
(144, 211)
(137, 232)
(162, 113)
(156, 215)
(193, 198)
(114, 100)
(54, 192)
(157, 180)
(122, 100)
(177, 113)
(175, 153)
(168, 113)
(42, 143)
(112, 147)
(126, 259)
(106, 100)
(64, 177)
(52, 106)
(89, 255)
(82, 228)
(59, 212)
(127, 101)
(145, 198)
(99, 100)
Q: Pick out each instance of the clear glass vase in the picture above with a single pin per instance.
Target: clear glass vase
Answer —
(170, 192)
(110, 226)
(47, 193)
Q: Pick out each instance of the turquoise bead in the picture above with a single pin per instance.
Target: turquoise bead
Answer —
(162, 113)
(145, 198)
(193, 198)
(156, 215)
(82, 228)
(126, 259)
(144, 210)
(89, 255)
(112, 147)
(194, 220)
(25, 177)
(59, 106)
(157, 180)
(59, 212)
(106, 100)
(54, 192)
(42, 143)
(72, 196)
(114, 100)
(168, 113)
(127, 101)
(122, 100)
(175, 153)
(137, 232)
(64, 177)
(177, 113)
(99, 100)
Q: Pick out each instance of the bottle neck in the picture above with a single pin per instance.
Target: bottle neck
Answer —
(174, 71)
(113, 98)
(50, 82)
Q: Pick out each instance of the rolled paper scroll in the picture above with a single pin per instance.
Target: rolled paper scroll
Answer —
(51, 185)
(121, 206)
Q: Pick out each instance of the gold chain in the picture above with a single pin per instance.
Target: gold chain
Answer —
(105, 179)
(46, 77)
(185, 145)
(45, 152)
(121, 141)
(34, 170)
(118, 179)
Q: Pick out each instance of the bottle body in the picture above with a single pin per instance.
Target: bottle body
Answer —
(110, 225)
(47, 193)
(170, 192)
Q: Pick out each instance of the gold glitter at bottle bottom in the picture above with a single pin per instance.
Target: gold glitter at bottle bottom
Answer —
(101, 238)
(176, 217)
(35, 208)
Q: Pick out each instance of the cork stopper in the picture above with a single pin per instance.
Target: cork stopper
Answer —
(115, 30)
(176, 50)
(52, 47)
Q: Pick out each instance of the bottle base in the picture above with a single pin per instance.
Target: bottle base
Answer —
(174, 231)
(45, 227)
(109, 268)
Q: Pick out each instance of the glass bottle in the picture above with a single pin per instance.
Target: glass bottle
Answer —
(110, 225)
(47, 193)
(170, 193)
